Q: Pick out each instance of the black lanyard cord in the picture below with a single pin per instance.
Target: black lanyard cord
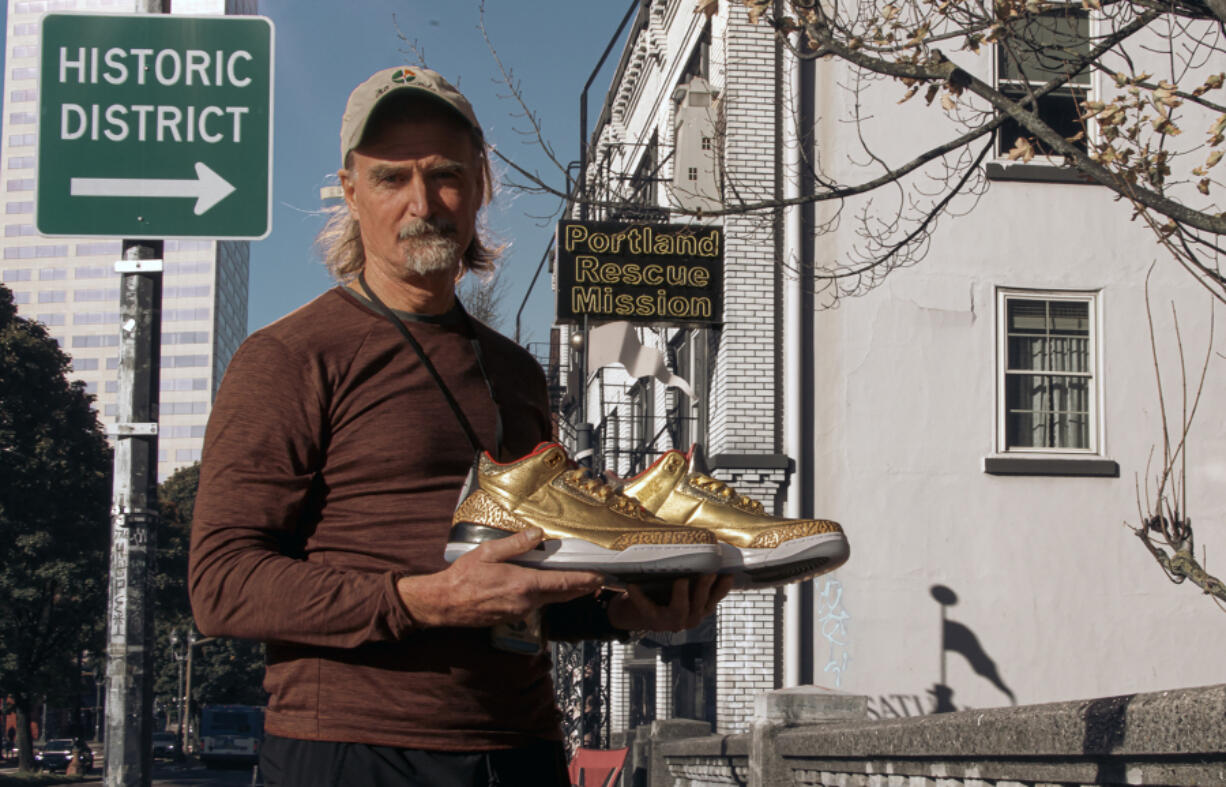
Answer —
(438, 379)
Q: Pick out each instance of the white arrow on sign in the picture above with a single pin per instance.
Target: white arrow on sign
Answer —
(208, 188)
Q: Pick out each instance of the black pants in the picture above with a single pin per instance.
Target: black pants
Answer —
(288, 762)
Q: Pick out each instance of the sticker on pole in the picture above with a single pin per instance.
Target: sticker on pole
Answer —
(155, 126)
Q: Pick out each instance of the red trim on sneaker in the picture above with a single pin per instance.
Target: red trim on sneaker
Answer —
(540, 449)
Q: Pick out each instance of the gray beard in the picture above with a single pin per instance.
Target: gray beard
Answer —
(431, 247)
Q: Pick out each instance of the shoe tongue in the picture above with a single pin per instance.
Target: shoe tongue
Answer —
(698, 460)
(543, 446)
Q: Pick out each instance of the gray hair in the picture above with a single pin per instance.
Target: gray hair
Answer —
(340, 241)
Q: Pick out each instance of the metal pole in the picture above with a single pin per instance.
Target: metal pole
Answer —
(581, 190)
(187, 694)
(535, 276)
(192, 642)
(98, 675)
(129, 693)
(179, 657)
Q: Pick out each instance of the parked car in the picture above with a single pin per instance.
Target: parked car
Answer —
(57, 753)
(166, 744)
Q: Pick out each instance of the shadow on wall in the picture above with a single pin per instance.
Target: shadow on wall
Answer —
(958, 638)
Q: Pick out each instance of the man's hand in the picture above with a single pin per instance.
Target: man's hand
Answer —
(482, 589)
(691, 601)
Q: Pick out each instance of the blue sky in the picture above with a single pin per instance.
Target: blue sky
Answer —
(324, 49)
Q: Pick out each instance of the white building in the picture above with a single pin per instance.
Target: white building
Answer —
(985, 494)
(69, 284)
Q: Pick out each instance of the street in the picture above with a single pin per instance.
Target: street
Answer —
(170, 775)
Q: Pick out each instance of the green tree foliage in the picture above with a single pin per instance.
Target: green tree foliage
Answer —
(54, 520)
(224, 671)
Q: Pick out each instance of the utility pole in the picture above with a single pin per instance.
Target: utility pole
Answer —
(129, 648)
(129, 691)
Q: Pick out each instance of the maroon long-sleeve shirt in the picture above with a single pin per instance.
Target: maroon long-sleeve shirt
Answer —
(332, 464)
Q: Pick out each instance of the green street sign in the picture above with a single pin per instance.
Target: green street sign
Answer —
(155, 126)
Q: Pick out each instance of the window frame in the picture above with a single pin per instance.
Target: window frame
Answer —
(1070, 88)
(1096, 419)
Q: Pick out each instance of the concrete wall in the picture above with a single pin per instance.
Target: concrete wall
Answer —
(812, 737)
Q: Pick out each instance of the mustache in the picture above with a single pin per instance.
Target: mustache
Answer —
(416, 228)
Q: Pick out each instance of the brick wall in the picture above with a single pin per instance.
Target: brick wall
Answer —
(745, 379)
(745, 661)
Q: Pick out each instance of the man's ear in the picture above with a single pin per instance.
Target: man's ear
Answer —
(348, 179)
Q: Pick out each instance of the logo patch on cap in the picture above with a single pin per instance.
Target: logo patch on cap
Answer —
(404, 76)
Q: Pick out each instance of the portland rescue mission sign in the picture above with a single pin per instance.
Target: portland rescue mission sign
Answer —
(155, 126)
(649, 273)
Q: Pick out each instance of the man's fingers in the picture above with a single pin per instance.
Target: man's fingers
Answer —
(502, 549)
(576, 582)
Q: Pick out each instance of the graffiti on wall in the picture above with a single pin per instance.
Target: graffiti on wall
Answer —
(833, 618)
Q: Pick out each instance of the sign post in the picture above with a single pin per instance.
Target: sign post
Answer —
(150, 126)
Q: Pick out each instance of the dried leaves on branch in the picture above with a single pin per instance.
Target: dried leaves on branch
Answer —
(1128, 94)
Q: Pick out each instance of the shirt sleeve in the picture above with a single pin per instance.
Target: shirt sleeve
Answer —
(263, 449)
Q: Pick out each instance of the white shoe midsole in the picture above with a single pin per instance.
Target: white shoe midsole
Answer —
(831, 545)
(576, 554)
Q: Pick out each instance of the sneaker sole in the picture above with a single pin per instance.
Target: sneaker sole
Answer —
(792, 561)
(575, 554)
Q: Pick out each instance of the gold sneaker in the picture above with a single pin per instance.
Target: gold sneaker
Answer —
(589, 525)
(761, 550)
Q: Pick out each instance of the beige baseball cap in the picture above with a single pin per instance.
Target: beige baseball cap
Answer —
(401, 79)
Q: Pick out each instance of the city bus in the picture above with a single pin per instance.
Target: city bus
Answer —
(230, 734)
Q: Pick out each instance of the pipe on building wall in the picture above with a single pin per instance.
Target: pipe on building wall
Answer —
(791, 349)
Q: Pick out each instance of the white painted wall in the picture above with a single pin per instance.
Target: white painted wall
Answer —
(1059, 593)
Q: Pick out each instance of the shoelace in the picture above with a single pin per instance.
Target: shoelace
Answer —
(585, 480)
(716, 487)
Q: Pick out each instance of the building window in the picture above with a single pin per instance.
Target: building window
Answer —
(1048, 372)
(23, 95)
(1038, 49)
(95, 318)
(692, 173)
(111, 340)
(706, 143)
(91, 272)
(105, 247)
(105, 294)
(686, 416)
(642, 424)
(187, 292)
(179, 315)
(18, 230)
